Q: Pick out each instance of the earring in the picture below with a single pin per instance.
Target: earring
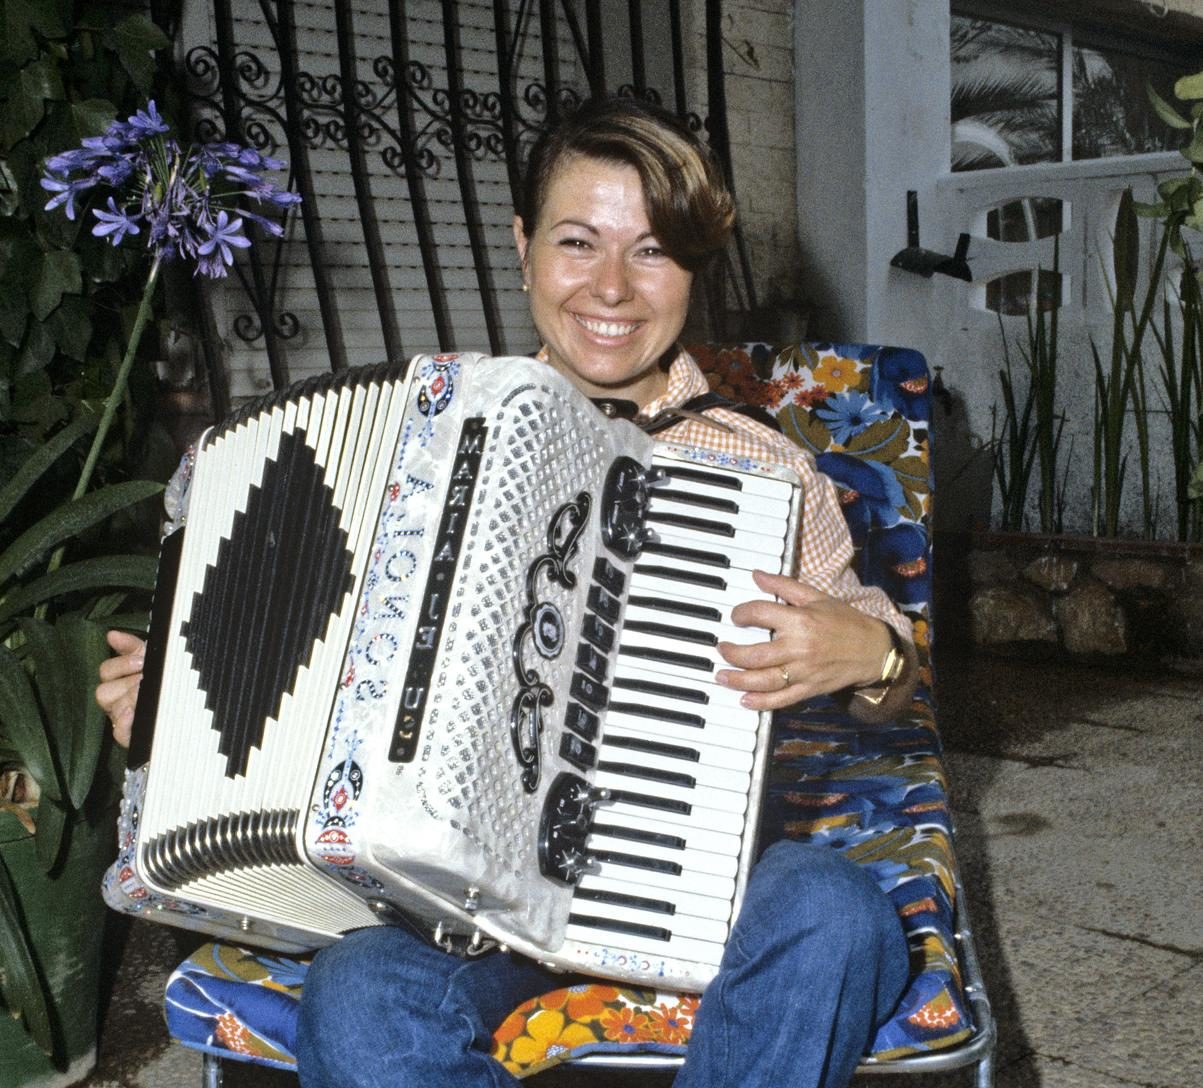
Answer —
(525, 286)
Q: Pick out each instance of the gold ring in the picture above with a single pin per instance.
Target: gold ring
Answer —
(784, 676)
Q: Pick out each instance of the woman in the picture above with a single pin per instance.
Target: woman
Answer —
(622, 206)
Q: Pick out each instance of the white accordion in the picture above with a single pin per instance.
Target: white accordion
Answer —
(441, 646)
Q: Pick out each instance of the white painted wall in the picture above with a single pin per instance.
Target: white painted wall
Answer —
(873, 88)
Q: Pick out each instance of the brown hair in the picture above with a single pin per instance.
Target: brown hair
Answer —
(688, 204)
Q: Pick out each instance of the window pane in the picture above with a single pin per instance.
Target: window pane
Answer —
(1026, 219)
(1112, 114)
(1004, 94)
(1011, 294)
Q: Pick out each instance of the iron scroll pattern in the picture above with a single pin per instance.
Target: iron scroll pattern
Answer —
(401, 117)
(543, 629)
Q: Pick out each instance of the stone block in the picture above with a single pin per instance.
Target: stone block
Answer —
(1131, 573)
(1054, 573)
(987, 568)
(1091, 620)
(1000, 614)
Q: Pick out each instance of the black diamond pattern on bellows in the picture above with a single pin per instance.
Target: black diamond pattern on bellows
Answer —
(280, 576)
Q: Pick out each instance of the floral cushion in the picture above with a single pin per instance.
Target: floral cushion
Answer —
(876, 793)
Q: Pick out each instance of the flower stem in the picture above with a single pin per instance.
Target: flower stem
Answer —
(116, 395)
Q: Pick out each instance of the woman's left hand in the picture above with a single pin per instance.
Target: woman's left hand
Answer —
(819, 645)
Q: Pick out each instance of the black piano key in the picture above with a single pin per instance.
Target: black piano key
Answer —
(635, 929)
(668, 657)
(694, 498)
(581, 721)
(681, 472)
(667, 630)
(638, 834)
(655, 687)
(648, 774)
(660, 714)
(710, 581)
(595, 630)
(609, 576)
(619, 899)
(693, 555)
(655, 747)
(679, 608)
(646, 800)
(637, 861)
(688, 521)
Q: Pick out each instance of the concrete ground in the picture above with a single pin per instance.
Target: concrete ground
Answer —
(1076, 793)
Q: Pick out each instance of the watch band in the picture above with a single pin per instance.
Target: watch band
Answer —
(892, 667)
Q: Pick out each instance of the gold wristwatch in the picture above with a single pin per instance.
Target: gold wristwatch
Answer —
(892, 667)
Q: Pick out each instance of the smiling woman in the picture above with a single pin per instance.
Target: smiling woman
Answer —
(621, 207)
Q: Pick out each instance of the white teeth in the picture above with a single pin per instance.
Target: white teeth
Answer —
(608, 328)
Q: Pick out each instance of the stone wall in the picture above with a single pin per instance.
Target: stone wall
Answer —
(1085, 598)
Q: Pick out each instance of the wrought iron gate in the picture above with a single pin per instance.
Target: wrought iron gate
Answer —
(404, 124)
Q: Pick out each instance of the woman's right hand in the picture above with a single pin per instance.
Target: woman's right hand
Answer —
(117, 692)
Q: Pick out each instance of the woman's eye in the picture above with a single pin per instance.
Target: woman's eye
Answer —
(573, 243)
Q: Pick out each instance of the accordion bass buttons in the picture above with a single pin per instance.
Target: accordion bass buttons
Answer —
(564, 827)
(624, 506)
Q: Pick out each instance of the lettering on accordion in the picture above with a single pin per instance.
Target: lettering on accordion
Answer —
(449, 543)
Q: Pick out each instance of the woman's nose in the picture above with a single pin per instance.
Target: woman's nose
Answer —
(611, 281)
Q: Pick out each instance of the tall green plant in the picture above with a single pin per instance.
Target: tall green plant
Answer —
(67, 300)
(1120, 384)
(1032, 428)
(1013, 445)
(1181, 374)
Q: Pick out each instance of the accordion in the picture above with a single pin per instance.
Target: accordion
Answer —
(438, 644)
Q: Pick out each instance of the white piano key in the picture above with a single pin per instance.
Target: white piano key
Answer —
(770, 548)
(683, 903)
(729, 823)
(659, 885)
(694, 861)
(749, 483)
(724, 632)
(709, 753)
(737, 590)
(724, 742)
(696, 796)
(714, 696)
(703, 774)
(679, 925)
(743, 520)
(774, 507)
(695, 838)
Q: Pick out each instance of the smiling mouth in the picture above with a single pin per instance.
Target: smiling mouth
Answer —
(606, 328)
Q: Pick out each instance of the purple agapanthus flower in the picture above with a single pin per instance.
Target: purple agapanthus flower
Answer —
(192, 200)
(114, 224)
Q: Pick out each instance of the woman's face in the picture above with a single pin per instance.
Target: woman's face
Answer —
(606, 300)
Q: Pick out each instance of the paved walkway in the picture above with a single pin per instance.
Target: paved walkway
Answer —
(1077, 799)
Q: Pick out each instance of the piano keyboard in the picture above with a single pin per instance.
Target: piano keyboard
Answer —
(668, 853)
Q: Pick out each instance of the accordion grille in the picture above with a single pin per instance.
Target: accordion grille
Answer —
(468, 772)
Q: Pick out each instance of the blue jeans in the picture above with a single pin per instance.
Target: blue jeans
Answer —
(816, 961)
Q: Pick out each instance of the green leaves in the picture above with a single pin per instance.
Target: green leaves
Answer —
(1126, 251)
(58, 274)
(135, 41)
(20, 982)
(19, 20)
